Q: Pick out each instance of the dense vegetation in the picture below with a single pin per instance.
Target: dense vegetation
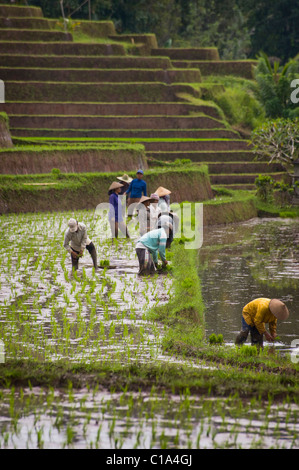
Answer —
(238, 28)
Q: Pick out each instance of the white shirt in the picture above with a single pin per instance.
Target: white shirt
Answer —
(76, 240)
(155, 210)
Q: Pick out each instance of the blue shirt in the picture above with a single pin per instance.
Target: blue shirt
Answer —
(155, 241)
(136, 188)
(113, 210)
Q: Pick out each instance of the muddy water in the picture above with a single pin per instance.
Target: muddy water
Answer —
(103, 316)
(52, 419)
(47, 314)
(240, 262)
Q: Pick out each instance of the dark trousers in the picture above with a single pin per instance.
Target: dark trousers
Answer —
(146, 263)
(256, 337)
(92, 252)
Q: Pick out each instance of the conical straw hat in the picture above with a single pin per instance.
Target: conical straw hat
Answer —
(115, 185)
(126, 178)
(279, 309)
(162, 191)
(144, 199)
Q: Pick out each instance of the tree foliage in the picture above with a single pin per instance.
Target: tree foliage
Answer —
(273, 27)
(239, 28)
(274, 87)
(277, 141)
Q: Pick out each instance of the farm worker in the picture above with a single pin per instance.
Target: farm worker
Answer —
(125, 181)
(115, 215)
(144, 215)
(148, 247)
(136, 189)
(254, 316)
(169, 218)
(76, 240)
(154, 210)
(164, 198)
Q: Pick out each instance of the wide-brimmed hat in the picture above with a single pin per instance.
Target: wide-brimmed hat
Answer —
(126, 178)
(279, 309)
(154, 197)
(115, 185)
(162, 191)
(73, 225)
(144, 199)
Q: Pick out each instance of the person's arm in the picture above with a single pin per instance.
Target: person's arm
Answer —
(66, 242)
(260, 324)
(272, 328)
(144, 190)
(129, 188)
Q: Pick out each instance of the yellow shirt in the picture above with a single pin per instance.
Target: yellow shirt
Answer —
(257, 313)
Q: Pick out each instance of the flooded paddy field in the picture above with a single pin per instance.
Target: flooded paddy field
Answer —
(240, 262)
(45, 418)
(48, 315)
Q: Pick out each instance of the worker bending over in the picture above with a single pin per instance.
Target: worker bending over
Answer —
(76, 240)
(256, 314)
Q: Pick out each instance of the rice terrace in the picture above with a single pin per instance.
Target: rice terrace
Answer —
(149, 219)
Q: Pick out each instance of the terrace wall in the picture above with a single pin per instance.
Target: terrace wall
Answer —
(5, 138)
(71, 160)
(87, 190)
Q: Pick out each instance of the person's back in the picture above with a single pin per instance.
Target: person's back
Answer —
(75, 242)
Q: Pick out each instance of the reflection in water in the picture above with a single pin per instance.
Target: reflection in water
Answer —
(240, 262)
(84, 418)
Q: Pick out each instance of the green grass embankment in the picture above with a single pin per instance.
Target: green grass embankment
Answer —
(184, 313)
(74, 191)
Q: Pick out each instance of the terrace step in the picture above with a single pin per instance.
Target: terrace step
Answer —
(249, 187)
(100, 75)
(204, 53)
(24, 23)
(204, 156)
(243, 178)
(94, 29)
(109, 109)
(95, 92)
(33, 35)
(20, 11)
(121, 133)
(240, 68)
(60, 48)
(116, 122)
(85, 62)
(242, 167)
(178, 145)
(143, 43)
(196, 145)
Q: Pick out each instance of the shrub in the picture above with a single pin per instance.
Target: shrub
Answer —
(274, 87)
(264, 184)
(283, 193)
(238, 101)
(56, 173)
(277, 141)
